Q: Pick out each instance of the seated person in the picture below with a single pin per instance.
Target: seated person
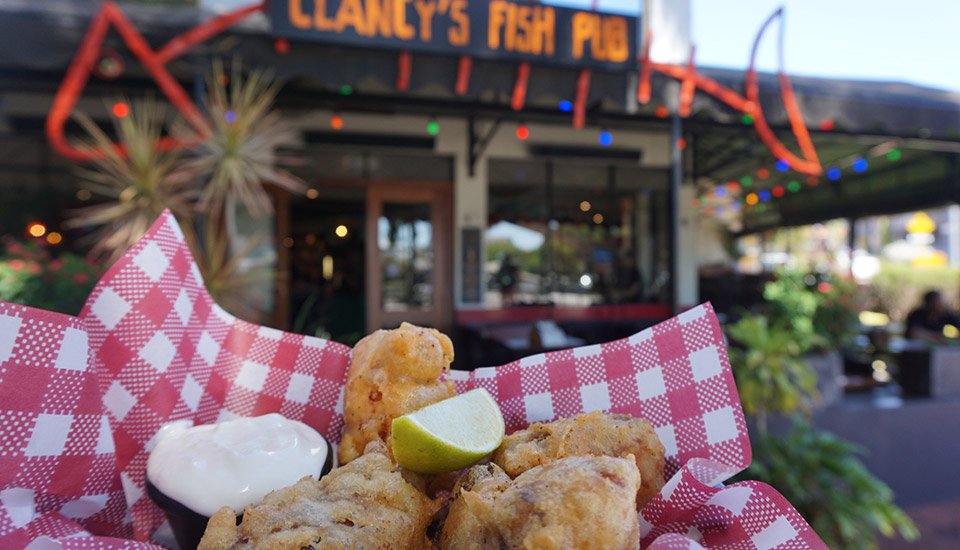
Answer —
(926, 323)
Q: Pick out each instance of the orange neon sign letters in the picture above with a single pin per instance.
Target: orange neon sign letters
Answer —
(155, 61)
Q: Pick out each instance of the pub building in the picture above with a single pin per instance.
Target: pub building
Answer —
(523, 176)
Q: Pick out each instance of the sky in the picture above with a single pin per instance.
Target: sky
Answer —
(915, 41)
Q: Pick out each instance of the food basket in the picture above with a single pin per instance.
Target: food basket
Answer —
(81, 399)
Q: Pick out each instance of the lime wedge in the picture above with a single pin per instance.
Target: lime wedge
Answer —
(448, 435)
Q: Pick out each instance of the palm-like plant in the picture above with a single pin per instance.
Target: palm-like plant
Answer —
(136, 183)
(241, 151)
(230, 283)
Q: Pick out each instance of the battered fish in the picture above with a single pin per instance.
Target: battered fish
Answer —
(392, 373)
(595, 433)
(365, 504)
(571, 503)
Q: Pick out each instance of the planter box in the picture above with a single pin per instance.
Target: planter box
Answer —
(829, 369)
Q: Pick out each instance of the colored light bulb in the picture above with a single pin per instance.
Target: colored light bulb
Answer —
(565, 105)
(605, 138)
(860, 165)
(833, 174)
(793, 186)
(782, 165)
(764, 195)
(433, 128)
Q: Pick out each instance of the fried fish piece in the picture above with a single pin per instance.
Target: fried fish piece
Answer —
(365, 504)
(573, 503)
(594, 433)
(392, 373)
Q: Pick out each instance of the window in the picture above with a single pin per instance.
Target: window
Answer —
(576, 234)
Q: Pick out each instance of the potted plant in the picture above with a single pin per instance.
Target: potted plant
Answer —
(816, 471)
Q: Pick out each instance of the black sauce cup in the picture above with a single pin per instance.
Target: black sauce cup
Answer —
(188, 526)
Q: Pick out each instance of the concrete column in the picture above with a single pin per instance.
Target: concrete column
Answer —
(469, 199)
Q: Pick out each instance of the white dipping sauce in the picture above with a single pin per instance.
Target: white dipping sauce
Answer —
(233, 463)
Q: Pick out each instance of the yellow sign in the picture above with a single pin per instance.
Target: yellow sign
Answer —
(921, 223)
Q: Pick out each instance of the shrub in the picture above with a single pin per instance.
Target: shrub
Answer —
(31, 276)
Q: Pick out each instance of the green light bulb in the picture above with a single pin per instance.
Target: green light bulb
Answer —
(746, 181)
(747, 119)
(894, 154)
(346, 89)
(793, 186)
(433, 128)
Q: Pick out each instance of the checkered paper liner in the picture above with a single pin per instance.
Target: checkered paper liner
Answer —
(81, 400)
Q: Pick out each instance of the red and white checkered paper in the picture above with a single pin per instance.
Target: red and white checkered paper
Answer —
(81, 399)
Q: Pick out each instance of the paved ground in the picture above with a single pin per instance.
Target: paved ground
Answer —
(939, 528)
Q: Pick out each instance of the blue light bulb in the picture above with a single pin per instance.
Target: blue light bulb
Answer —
(764, 195)
(720, 192)
(605, 138)
(860, 165)
(565, 106)
(782, 165)
(833, 174)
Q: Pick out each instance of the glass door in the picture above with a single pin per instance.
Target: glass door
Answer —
(409, 276)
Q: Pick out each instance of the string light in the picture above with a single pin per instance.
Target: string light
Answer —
(826, 125)
(681, 144)
(523, 132)
(746, 181)
(747, 118)
(662, 111)
(733, 186)
(764, 195)
(752, 199)
(893, 155)
(341, 231)
(860, 165)
(763, 173)
(598, 218)
(605, 139)
(336, 122)
(720, 192)
(312, 193)
(585, 205)
(782, 165)
(230, 117)
(433, 128)
(793, 186)
(37, 229)
(346, 89)
(777, 191)
(54, 237)
(565, 105)
(833, 174)
(84, 195)
(121, 110)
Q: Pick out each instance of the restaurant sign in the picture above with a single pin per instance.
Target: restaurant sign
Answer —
(522, 30)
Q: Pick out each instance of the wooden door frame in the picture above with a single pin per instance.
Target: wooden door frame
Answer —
(439, 195)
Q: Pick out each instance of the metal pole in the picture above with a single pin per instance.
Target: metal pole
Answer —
(676, 178)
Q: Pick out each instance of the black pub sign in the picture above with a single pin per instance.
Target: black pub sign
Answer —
(517, 30)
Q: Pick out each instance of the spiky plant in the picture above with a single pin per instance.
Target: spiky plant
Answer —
(134, 184)
(240, 153)
(229, 282)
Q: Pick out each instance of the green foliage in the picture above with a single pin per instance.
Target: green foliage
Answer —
(818, 305)
(821, 475)
(30, 276)
(837, 316)
(767, 362)
(898, 288)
